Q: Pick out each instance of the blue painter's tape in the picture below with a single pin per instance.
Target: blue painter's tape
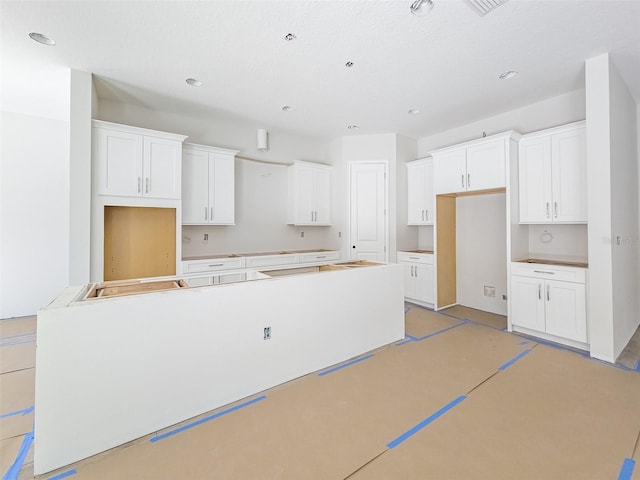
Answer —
(206, 419)
(441, 331)
(514, 359)
(62, 475)
(627, 469)
(524, 343)
(344, 365)
(24, 411)
(16, 466)
(403, 342)
(425, 422)
(411, 337)
(638, 366)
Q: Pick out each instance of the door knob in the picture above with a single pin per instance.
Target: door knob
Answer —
(353, 246)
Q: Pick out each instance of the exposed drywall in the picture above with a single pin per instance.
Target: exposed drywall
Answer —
(34, 212)
(82, 93)
(624, 211)
(481, 255)
(566, 108)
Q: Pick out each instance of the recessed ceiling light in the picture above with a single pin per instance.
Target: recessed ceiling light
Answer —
(414, 111)
(421, 7)
(353, 127)
(348, 64)
(287, 108)
(193, 82)
(290, 36)
(508, 74)
(40, 38)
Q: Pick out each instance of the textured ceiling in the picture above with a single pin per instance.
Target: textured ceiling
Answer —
(445, 64)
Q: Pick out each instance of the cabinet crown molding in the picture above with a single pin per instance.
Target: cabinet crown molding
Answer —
(553, 130)
(303, 163)
(510, 134)
(209, 148)
(137, 130)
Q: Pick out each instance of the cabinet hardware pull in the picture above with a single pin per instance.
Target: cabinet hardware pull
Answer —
(542, 271)
(312, 215)
(468, 180)
(211, 216)
(416, 267)
(217, 265)
(321, 256)
(422, 214)
(547, 209)
(555, 209)
(539, 291)
(414, 258)
(427, 215)
(412, 270)
(462, 180)
(206, 213)
(139, 183)
(146, 185)
(548, 296)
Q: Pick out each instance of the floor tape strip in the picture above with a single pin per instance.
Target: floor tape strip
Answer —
(205, 419)
(425, 422)
(16, 466)
(344, 365)
(463, 322)
(627, 469)
(514, 359)
(62, 475)
(24, 411)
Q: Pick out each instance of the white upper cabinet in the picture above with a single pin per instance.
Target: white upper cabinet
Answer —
(136, 162)
(208, 185)
(309, 194)
(472, 166)
(553, 175)
(420, 192)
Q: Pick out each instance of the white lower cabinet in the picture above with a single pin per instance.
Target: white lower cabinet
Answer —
(418, 277)
(550, 301)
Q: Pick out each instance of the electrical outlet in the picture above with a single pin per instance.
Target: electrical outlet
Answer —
(489, 291)
(267, 333)
(301, 234)
(206, 237)
(504, 297)
(339, 234)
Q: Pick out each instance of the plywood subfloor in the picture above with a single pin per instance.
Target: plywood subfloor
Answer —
(486, 318)
(455, 400)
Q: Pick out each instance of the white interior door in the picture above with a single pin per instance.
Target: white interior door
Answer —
(368, 207)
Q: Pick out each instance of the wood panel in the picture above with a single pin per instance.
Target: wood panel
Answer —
(139, 242)
(446, 249)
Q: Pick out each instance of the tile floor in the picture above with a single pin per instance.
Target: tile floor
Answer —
(458, 398)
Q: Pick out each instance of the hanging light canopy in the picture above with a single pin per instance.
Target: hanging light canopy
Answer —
(421, 7)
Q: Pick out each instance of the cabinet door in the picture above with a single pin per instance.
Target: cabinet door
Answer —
(429, 196)
(486, 166)
(221, 189)
(409, 280)
(162, 168)
(566, 310)
(304, 207)
(322, 193)
(119, 162)
(424, 283)
(569, 176)
(527, 303)
(195, 187)
(417, 193)
(450, 172)
(534, 180)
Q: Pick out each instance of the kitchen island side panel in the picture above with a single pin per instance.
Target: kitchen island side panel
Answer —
(109, 371)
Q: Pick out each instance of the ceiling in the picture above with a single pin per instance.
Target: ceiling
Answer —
(445, 64)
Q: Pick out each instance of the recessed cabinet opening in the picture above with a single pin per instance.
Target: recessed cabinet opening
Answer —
(139, 242)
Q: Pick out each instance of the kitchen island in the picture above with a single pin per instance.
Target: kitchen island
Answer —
(113, 369)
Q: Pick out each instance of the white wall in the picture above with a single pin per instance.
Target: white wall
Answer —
(624, 211)
(568, 242)
(406, 236)
(34, 212)
(612, 170)
(566, 108)
(481, 257)
(82, 95)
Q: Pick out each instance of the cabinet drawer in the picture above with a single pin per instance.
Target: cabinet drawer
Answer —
(271, 260)
(549, 272)
(319, 257)
(426, 258)
(213, 265)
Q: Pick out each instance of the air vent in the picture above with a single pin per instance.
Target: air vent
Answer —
(482, 7)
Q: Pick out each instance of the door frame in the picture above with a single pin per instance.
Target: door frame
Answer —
(385, 164)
